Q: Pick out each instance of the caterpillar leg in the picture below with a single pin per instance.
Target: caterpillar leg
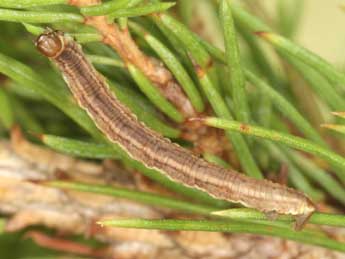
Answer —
(301, 220)
(271, 215)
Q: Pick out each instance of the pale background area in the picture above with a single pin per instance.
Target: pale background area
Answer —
(323, 28)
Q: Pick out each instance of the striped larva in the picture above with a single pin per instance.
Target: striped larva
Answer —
(143, 144)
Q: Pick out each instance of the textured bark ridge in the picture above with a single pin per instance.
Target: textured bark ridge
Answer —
(29, 203)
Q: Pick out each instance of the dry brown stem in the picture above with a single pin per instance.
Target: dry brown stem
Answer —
(122, 42)
(204, 138)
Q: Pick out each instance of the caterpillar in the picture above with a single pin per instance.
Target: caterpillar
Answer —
(121, 126)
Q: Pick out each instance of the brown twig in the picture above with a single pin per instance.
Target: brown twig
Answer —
(64, 245)
(204, 138)
(121, 41)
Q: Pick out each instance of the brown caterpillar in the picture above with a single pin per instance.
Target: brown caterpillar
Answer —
(143, 144)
